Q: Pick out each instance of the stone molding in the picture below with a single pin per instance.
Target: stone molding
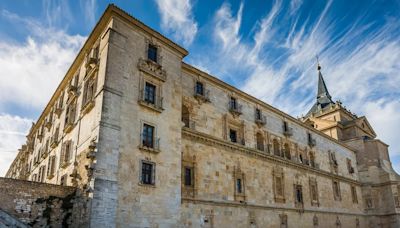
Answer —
(211, 140)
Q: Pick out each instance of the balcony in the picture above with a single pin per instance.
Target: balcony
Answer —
(149, 145)
(72, 92)
(235, 109)
(260, 120)
(68, 127)
(87, 107)
(288, 131)
(155, 103)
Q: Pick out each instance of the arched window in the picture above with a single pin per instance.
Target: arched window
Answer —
(287, 151)
(276, 146)
(185, 116)
(260, 142)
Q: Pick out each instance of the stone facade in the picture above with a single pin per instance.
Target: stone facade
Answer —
(154, 142)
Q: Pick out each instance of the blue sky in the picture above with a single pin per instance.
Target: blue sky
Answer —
(266, 48)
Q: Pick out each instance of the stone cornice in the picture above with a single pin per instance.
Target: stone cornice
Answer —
(266, 207)
(191, 69)
(211, 140)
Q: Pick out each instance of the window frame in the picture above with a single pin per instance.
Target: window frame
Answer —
(152, 52)
(151, 175)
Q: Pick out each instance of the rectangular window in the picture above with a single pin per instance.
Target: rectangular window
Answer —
(148, 172)
(239, 186)
(285, 126)
(89, 90)
(199, 88)
(258, 114)
(298, 194)
(148, 136)
(150, 93)
(188, 176)
(336, 190)
(152, 53)
(278, 183)
(233, 103)
(349, 166)
(233, 135)
(313, 192)
(354, 194)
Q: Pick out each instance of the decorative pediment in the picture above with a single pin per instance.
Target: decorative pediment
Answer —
(363, 123)
(153, 69)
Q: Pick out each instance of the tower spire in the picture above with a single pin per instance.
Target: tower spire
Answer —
(324, 99)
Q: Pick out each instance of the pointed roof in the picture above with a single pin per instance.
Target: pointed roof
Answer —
(324, 99)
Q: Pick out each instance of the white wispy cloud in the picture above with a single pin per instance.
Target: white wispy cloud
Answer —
(38, 64)
(13, 130)
(89, 10)
(360, 64)
(178, 20)
(32, 70)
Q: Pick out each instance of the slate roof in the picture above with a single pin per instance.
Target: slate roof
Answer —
(324, 99)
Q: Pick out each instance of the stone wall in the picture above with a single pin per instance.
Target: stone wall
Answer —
(39, 204)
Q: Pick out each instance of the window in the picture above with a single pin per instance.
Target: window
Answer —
(336, 190)
(278, 185)
(285, 126)
(152, 53)
(287, 151)
(314, 192)
(70, 114)
(199, 88)
(312, 160)
(258, 114)
(349, 166)
(239, 185)
(233, 103)
(148, 136)
(63, 180)
(185, 116)
(354, 194)
(89, 90)
(284, 222)
(189, 176)
(66, 153)
(148, 173)
(51, 166)
(333, 162)
(276, 147)
(260, 142)
(298, 191)
(233, 135)
(150, 93)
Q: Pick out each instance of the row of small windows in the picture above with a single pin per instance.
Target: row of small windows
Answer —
(72, 91)
(148, 170)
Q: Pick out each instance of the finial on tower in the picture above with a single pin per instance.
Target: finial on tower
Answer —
(318, 66)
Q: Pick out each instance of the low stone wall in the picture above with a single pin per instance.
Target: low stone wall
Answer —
(38, 204)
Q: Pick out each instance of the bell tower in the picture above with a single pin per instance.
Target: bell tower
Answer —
(381, 184)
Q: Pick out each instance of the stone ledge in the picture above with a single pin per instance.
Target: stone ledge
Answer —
(211, 140)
